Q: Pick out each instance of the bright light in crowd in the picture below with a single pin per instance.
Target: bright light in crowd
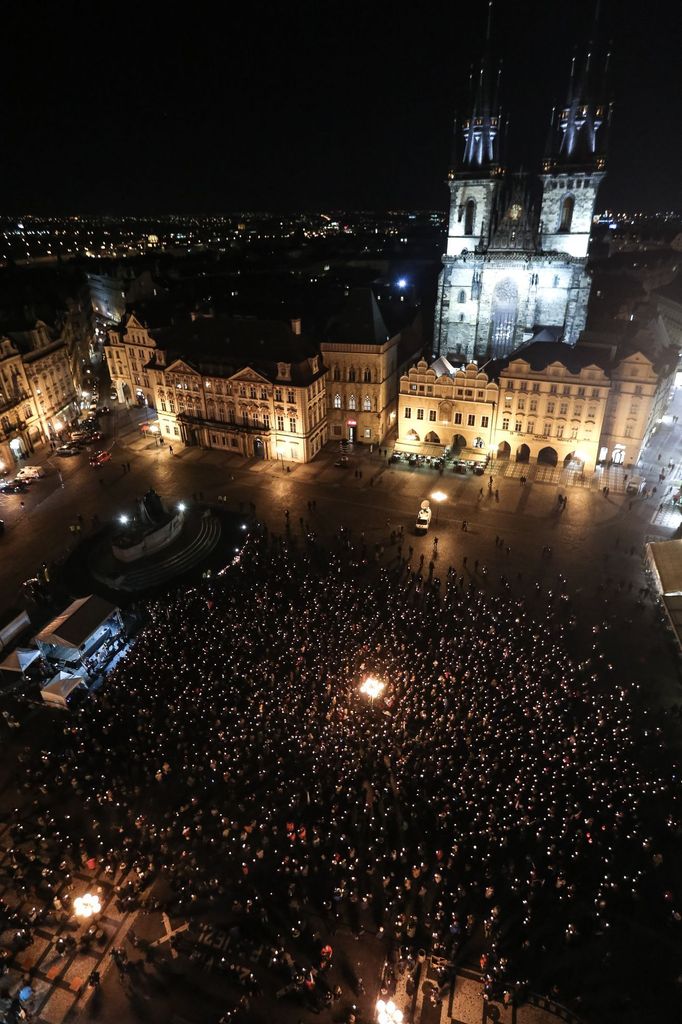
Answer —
(181, 506)
(372, 688)
(86, 906)
(439, 495)
(402, 282)
(388, 1012)
(123, 520)
(58, 425)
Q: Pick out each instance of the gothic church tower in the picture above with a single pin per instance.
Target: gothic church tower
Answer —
(515, 260)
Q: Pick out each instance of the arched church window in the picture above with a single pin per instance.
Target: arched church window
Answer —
(337, 401)
(367, 404)
(503, 317)
(351, 374)
(469, 216)
(462, 297)
(567, 213)
(337, 373)
(352, 402)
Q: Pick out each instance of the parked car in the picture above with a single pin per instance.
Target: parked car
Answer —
(65, 450)
(13, 487)
(29, 473)
(423, 518)
(99, 458)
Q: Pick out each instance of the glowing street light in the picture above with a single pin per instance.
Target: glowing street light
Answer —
(438, 496)
(388, 1012)
(123, 520)
(181, 506)
(87, 906)
(281, 452)
(372, 688)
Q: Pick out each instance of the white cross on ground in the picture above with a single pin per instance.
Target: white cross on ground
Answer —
(169, 933)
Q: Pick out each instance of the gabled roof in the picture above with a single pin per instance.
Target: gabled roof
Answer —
(77, 622)
(541, 354)
(359, 321)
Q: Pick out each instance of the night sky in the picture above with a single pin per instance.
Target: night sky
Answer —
(206, 107)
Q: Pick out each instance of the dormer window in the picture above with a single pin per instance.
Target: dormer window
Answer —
(284, 371)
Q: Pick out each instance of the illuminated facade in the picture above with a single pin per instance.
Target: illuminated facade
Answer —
(37, 391)
(250, 387)
(516, 259)
(547, 403)
(365, 360)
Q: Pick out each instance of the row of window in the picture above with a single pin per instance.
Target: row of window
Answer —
(457, 419)
(353, 403)
(563, 407)
(547, 432)
(352, 375)
(567, 389)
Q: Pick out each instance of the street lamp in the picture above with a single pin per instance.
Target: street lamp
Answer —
(280, 452)
(123, 520)
(438, 496)
(181, 506)
(388, 1012)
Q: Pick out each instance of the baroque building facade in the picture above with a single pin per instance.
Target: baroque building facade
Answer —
(252, 387)
(598, 402)
(516, 257)
(38, 397)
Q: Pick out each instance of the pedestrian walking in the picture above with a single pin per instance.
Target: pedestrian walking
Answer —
(465, 526)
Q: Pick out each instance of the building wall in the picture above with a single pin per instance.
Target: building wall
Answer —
(361, 389)
(638, 399)
(550, 290)
(241, 413)
(582, 189)
(244, 413)
(482, 194)
(437, 412)
(551, 409)
(128, 353)
(38, 399)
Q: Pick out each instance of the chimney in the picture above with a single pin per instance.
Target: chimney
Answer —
(296, 326)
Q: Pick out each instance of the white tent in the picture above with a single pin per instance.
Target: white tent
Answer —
(60, 688)
(19, 660)
(73, 628)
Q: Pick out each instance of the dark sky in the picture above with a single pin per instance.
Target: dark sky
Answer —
(205, 107)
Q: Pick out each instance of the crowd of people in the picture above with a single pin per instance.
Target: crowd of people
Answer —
(496, 796)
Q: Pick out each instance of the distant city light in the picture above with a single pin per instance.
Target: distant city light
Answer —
(402, 282)
(123, 520)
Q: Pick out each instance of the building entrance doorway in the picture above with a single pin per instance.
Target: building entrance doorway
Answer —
(352, 431)
(259, 448)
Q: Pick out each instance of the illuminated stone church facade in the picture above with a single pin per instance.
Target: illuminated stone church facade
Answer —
(517, 245)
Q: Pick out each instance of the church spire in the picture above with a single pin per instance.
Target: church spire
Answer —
(480, 129)
(578, 130)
